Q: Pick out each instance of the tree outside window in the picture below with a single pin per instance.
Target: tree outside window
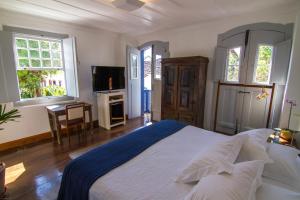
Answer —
(40, 68)
(263, 64)
(233, 64)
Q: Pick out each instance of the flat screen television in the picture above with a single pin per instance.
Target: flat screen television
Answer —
(107, 78)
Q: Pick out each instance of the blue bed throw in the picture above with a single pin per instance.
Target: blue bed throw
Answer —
(82, 172)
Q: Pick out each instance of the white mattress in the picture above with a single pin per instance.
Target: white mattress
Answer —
(151, 174)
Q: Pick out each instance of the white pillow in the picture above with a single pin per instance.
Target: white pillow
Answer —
(240, 185)
(255, 147)
(216, 159)
(286, 167)
(274, 192)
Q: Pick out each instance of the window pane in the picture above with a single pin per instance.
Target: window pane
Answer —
(37, 53)
(46, 63)
(233, 64)
(57, 63)
(157, 71)
(55, 46)
(22, 53)
(45, 54)
(263, 64)
(39, 83)
(33, 44)
(233, 73)
(23, 62)
(35, 63)
(56, 54)
(45, 45)
(21, 43)
(34, 54)
(134, 66)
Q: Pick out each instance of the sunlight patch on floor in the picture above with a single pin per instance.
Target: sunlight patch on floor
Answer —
(12, 173)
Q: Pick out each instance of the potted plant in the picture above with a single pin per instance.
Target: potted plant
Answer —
(5, 116)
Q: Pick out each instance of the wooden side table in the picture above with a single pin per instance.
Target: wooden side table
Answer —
(273, 138)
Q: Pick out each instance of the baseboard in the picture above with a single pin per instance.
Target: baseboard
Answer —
(24, 141)
(32, 139)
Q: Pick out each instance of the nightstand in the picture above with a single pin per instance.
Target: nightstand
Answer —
(274, 138)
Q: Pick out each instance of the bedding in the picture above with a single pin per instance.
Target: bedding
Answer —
(216, 159)
(83, 171)
(152, 174)
(255, 147)
(285, 167)
(241, 184)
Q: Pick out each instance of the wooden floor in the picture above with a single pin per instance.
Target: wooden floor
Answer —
(37, 170)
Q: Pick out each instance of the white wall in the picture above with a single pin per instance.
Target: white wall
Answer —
(94, 47)
(293, 91)
(201, 39)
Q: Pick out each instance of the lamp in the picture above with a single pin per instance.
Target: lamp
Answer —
(128, 5)
(295, 124)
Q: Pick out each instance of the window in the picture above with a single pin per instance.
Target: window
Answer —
(40, 67)
(157, 69)
(263, 64)
(134, 66)
(233, 64)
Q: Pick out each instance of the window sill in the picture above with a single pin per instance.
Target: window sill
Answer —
(43, 101)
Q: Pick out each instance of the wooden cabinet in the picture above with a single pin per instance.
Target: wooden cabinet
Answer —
(183, 89)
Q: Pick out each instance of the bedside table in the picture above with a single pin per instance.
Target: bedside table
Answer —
(274, 138)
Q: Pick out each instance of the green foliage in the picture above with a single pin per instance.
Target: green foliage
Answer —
(30, 84)
(233, 64)
(53, 90)
(34, 54)
(264, 61)
(45, 54)
(21, 43)
(24, 62)
(33, 44)
(55, 46)
(11, 115)
(22, 53)
(35, 63)
(45, 45)
(46, 63)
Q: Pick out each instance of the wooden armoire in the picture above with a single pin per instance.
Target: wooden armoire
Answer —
(183, 89)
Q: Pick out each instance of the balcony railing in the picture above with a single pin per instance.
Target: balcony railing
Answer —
(147, 101)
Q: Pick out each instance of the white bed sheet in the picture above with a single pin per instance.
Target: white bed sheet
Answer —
(151, 174)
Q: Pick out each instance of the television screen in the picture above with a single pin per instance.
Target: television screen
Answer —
(108, 78)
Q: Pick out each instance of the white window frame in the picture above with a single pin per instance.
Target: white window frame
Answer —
(34, 37)
(256, 64)
(28, 37)
(227, 64)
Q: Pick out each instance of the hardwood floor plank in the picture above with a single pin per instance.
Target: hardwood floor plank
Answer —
(44, 162)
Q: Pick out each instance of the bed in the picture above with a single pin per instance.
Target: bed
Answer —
(151, 174)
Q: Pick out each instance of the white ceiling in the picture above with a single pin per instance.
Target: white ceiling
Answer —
(155, 15)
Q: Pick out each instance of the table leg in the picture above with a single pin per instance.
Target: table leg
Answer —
(51, 123)
(58, 130)
(91, 120)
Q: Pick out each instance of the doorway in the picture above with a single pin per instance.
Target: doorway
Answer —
(146, 83)
(144, 79)
(256, 54)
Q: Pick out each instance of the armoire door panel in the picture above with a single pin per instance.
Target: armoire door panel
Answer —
(170, 115)
(182, 85)
(186, 88)
(186, 117)
(170, 97)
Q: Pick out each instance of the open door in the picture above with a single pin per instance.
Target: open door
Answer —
(134, 82)
(160, 50)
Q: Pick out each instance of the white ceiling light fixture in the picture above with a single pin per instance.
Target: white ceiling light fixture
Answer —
(128, 5)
